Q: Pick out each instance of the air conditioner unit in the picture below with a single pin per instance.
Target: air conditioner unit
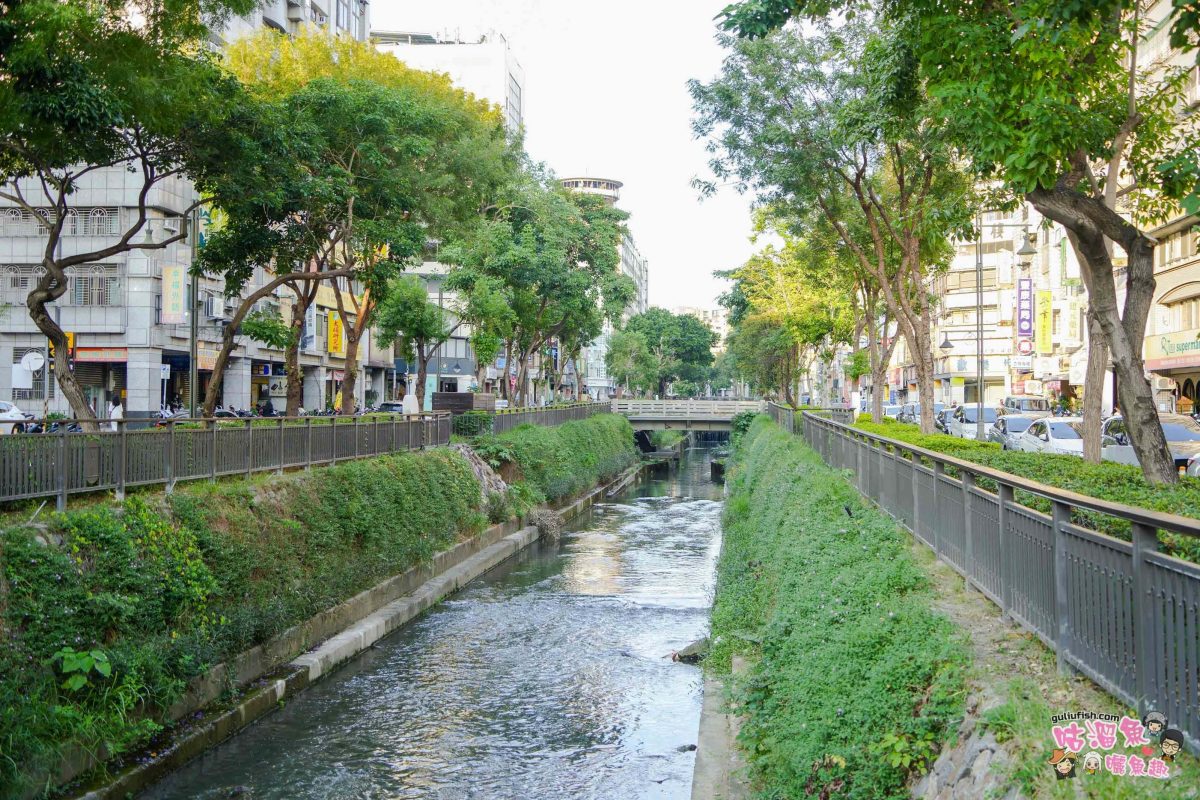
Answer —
(229, 307)
(1164, 384)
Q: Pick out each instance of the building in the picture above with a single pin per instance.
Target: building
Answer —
(485, 67)
(597, 381)
(129, 314)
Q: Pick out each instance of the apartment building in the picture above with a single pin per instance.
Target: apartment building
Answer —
(130, 315)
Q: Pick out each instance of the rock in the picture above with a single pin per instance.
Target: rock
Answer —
(693, 653)
(489, 482)
(549, 523)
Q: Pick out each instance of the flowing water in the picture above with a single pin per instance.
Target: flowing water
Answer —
(549, 677)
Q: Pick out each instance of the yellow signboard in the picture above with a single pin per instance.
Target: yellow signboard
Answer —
(336, 341)
(70, 343)
(174, 291)
(1044, 315)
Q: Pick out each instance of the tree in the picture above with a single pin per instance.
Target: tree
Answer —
(679, 346)
(835, 123)
(75, 99)
(556, 255)
(1049, 98)
(630, 362)
(436, 154)
(764, 355)
(420, 325)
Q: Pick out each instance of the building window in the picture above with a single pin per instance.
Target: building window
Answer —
(343, 14)
(1186, 314)
(39, 378)
(95, 285)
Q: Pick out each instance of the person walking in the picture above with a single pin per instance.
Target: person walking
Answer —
(115, 412)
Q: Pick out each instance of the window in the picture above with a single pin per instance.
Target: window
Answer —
(1056, 323)
(1016, 424)
(1186, 314)
(95, 285)
(39, 378)
(79, 222)
(343, 14)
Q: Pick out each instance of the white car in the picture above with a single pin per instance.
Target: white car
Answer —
(10, 412)
(962, 422)
(1057, 435)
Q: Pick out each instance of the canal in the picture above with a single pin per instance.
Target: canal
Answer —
(548, 677)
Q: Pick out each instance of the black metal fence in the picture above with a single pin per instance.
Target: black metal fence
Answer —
(127, 453)
(1121, 613)
(505, 419)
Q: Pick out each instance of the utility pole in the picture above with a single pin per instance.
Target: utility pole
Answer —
(193, 317)
(980, 435)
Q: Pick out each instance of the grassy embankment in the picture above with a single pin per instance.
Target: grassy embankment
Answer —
(855, 682)
(108, 611)
(1119, 483)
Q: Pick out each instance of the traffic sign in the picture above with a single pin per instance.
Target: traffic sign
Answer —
(1025, 346)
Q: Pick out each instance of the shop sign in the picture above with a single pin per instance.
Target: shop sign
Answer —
(206, 359)
(102, 355)
(261, 370)
(1025, 347)
(278, 387)
(174, 292)
(336, 341)
(1173, 349)
(1025, 307)
(1045, 315)
(1021, 363)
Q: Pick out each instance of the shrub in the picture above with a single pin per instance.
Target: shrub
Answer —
(472, 423)
(566, 459)
(855, 681)
(740, 424)
(160, 593)
(1119, 483)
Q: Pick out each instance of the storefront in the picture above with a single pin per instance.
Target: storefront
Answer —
(1174, 361)
(101, 371)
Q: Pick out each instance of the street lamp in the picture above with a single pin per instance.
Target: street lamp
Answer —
(946, 346)
(1025, 251)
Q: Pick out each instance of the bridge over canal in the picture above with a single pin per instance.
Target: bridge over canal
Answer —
(692, 415)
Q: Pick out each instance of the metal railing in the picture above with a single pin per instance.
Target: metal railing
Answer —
(131, 452)
(505, 419)
(684, 409)
(1121, 613)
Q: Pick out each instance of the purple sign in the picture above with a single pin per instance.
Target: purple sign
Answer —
(1025, 307)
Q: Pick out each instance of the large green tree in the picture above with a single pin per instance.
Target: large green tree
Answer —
(556, 256)
(88, 86)
(680, 346)
(1051, 99)
(834, 122)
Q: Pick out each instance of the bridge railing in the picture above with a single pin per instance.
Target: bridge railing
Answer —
(133, 452)
(684, 409)
(1119, 612)
(505, 419)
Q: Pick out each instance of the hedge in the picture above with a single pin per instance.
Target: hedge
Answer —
(855, 682)
(109, 609)
(566, 459)
(1118, 483)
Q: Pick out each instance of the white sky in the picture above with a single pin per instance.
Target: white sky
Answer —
(606, 96)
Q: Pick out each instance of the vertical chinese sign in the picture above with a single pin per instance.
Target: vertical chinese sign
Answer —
(174, 291)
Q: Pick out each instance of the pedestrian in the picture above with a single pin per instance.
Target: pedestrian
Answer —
(268, 409)
(115, 412)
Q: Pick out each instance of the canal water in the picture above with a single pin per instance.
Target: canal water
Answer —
(549, 677)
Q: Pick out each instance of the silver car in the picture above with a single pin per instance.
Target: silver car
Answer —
(1183, 439)
(962, 423)
(1056, 435)
(1008, 428)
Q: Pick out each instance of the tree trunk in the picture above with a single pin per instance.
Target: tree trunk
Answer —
(422, 373)
(1093, 390)
(1089, 221)
(291, 356)
(67, 383)
(351, 374)
(923, 356)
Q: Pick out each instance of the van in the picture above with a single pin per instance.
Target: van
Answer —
(1027, 404)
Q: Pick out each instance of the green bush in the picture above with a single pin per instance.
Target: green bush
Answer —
(665, 440)
(855, 682)
(1118, 483)
(117, 607)
(566, 459)
(472, 423)
(740, 424)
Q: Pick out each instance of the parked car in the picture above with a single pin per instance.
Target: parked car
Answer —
(1007, 428)
(8, 412)
(892, 411)
(962, 423)
(1026, 405)
(1181, 430)
(911, 412)
(1058, 435)
(391, 407)
(1193, 467)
